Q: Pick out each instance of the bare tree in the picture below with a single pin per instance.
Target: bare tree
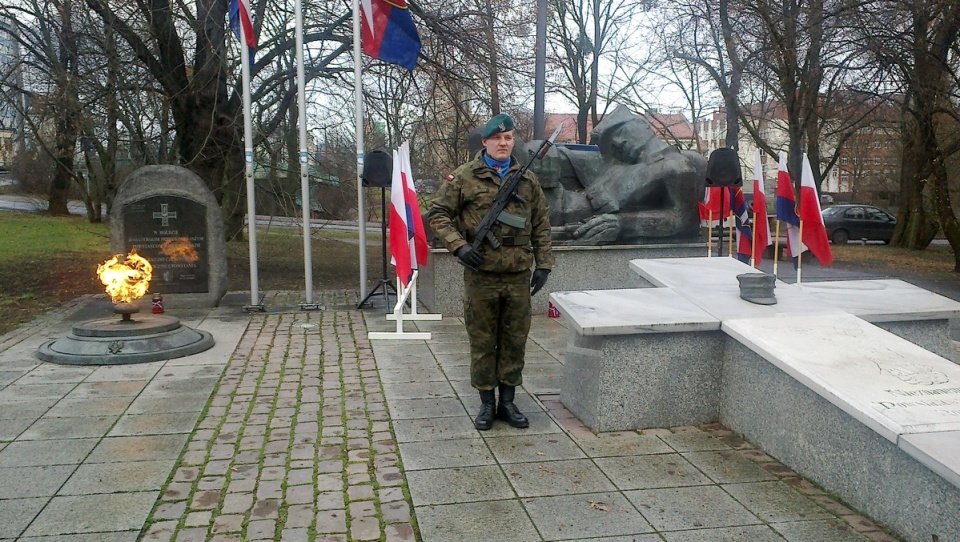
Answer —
(581, 34)
(205, 111)
(50, 46)
(710, 43)
(913, 46)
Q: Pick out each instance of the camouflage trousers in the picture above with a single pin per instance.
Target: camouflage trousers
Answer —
(496, 311)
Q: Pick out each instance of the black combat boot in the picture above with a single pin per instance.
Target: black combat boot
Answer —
(484, 420)
(507, 411)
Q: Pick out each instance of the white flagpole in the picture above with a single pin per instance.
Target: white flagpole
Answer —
(304, 178)
(358, 93)
(248, 172)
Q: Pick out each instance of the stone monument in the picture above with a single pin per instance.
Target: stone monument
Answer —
(168, 215)
(629, 188)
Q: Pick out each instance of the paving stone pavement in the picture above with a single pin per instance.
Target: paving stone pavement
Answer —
(296, 426)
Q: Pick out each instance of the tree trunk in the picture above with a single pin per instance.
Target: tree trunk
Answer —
(108, 160)
(493, 46)
(582, 115)
(915, 227)
(731, 98)
(67, 109)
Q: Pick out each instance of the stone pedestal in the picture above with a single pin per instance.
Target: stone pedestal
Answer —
(440, 286)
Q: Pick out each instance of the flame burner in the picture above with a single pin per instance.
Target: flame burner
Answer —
(125, 310)
(109, 341)
(132, 338)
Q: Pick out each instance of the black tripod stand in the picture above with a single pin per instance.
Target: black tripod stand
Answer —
(385, 285)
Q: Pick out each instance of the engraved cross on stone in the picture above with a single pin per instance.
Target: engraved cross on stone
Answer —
(165, 215)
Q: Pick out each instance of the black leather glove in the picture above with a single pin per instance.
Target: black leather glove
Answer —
(538, 280)
(469, 256)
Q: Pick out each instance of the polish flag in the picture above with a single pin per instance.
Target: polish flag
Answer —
(408, 241)
(814, 232)
(420, 248)
(761, 226)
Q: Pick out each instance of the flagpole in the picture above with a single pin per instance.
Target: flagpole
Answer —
(776, 248)
(255, 304)
(710, 233)
(753, 241)
(730, 219)
(304, 176)
(800, 256)
(358, 96)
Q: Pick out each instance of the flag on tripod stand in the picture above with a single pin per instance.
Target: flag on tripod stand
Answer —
(408, 239)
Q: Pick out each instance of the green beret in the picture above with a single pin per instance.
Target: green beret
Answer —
(499, 123)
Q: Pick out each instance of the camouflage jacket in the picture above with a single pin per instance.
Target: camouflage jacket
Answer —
(469, 193)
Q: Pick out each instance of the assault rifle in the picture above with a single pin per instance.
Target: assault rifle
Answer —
(508, 191)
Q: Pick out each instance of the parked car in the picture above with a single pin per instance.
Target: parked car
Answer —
(853, 221)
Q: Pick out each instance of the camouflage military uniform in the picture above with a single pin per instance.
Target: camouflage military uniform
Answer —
(496, 304)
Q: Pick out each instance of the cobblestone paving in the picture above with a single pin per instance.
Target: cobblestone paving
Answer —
(296, 443)
(302, 436)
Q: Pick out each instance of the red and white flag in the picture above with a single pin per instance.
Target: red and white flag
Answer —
(813, 231)
(420, 248)
(408, 240)
(709, 209)
(761, 226)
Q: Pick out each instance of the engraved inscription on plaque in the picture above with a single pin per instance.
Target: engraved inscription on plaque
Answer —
(171, 232)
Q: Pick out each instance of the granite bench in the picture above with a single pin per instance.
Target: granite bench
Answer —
(868, 414)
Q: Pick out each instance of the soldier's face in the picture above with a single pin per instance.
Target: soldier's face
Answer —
(499, 145)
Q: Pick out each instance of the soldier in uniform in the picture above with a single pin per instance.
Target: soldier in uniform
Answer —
(496, 304)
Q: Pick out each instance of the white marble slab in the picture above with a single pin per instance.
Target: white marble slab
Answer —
(724, 302)
(684, 272)
(883, 300)
(939, 451)
(631, 311)
(888, 383)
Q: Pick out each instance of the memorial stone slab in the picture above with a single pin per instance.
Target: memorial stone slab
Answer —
(883, 300)
(630, 311)
(712, 284)
(440, 286)
(887, 383)
(678, 273)
(168, 215)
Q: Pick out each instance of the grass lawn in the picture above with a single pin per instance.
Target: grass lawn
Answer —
(46, 261)
(933, 263)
